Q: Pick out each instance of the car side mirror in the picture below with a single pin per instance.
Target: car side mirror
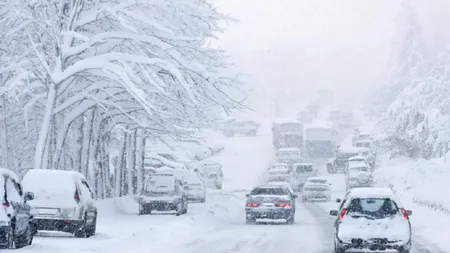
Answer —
(408, 212)
(334, 212)
(247, 195)
(28, 196)
(338, 200)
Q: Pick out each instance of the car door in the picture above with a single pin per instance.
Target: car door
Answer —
(15, 199)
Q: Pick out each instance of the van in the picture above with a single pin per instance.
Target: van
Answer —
(63, 201)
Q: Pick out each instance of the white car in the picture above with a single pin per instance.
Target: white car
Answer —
(359, 176)
(316, 192)
(211, 173)
(63, 201)
(301, 172)
(279, 174)
(289, 155)
(371, 219)
(357, 161)
(195, 187)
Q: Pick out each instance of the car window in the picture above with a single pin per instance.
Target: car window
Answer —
(270, 191)
(372, 207)
(13, 191)
(318, 181)
(303, 169)
(85, 187)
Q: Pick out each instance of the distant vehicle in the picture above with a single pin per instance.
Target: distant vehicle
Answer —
(163, 192)
(270, 202)
(371, 156)
(16, 221)
(320, 140)
(196, 189)
(301, 172)
(247, 127)
(63, 201)
(289, 155)
(279, 174)
(357, 161)
(339, 163)
(371, 219)
(316, 192)
(275, 166)
(317, 180)
(287, 133)
(287, 185)
(305, 117)
(358, 176)
(211, 173)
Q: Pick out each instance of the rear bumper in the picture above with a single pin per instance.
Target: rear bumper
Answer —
(69, 226)
(160, 205)
(273, 214)
(373, 244)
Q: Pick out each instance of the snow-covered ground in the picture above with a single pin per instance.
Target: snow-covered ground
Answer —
(217, 226)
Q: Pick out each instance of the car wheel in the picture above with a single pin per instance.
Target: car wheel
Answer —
(219, 187)
(337, 249)
(82, 231)
(290, 220)
(203, 200)
(93, 227)
(179, 209)
(250, 220)
(10, 238)
(25, 239)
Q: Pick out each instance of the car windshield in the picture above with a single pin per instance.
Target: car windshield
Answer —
(316, 188)
(346, 155)
(269, 191)
(374, 208)
(304, 168)
(318, 181)
(358, 169)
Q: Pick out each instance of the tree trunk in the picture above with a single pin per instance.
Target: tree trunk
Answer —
(140, 144)
(87, 136)
(131, 149)
(45, 125)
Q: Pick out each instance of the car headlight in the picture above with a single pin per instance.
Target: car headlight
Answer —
(67, 212)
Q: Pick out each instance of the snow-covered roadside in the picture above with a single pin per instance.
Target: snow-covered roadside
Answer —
(422, 186)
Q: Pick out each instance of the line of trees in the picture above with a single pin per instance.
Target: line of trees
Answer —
(81, 80)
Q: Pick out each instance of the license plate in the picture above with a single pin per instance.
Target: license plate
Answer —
(47, 211)
(268, 204)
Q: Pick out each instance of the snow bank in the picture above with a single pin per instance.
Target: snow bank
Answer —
(422, 186)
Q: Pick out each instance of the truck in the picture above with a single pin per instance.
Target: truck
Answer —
(320, 140)
(287, 133)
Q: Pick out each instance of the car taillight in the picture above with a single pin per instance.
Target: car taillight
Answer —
(284, 204)
(252, 204)
(405, 215)
(76, 196)
(5, 204)
(343, 212)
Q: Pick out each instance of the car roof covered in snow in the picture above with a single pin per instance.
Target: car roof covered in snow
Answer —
(311, 184)
(268, 185)
(358, 165)
(357, 158)
(351, 149)
(11, 174)
(210, 163)
(302, 164)
(289, 150)
(57, 173)
(363, 141)
(373, 192)
(317, 178)
(323, 125)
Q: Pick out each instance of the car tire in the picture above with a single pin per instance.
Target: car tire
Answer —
(203, 200)
(25, 239)
(82, 231)
(9, 244)
(92, 229)
(250, 221)
(179, 209)
(219, 187)
(290, 220)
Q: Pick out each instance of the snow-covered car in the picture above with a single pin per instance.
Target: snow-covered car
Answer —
(279, 174)
(371, 155)
(289, 155)
(175, 156)
(195, 187)
(163, 192)
(63, 201)
(276, 166)
(316, 192)
(318, 180)
(357, 161)
(248, 127)
(270, 202)
(199, 152)
(215, 147)
(340, 162)
(301, 172)
(372, 219)
(16, 221)
(153, 160)
(358, 176)
(211, 173)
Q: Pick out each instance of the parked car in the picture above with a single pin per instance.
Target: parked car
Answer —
(163, 192)
(316, 192)
(200, 152)
(270, 202)
(63, 201)
(214, 147)
(371, 219)
(195, 187)
(16, 220)
(248, 127)
(211, 173)
(358, 176)
(340, 162)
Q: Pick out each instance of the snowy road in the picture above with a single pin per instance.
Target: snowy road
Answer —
(216, 226)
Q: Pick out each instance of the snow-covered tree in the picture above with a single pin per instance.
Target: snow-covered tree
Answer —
(93, 66)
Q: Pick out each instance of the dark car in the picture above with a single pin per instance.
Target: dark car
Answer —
(16, 221)
(270, 202)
